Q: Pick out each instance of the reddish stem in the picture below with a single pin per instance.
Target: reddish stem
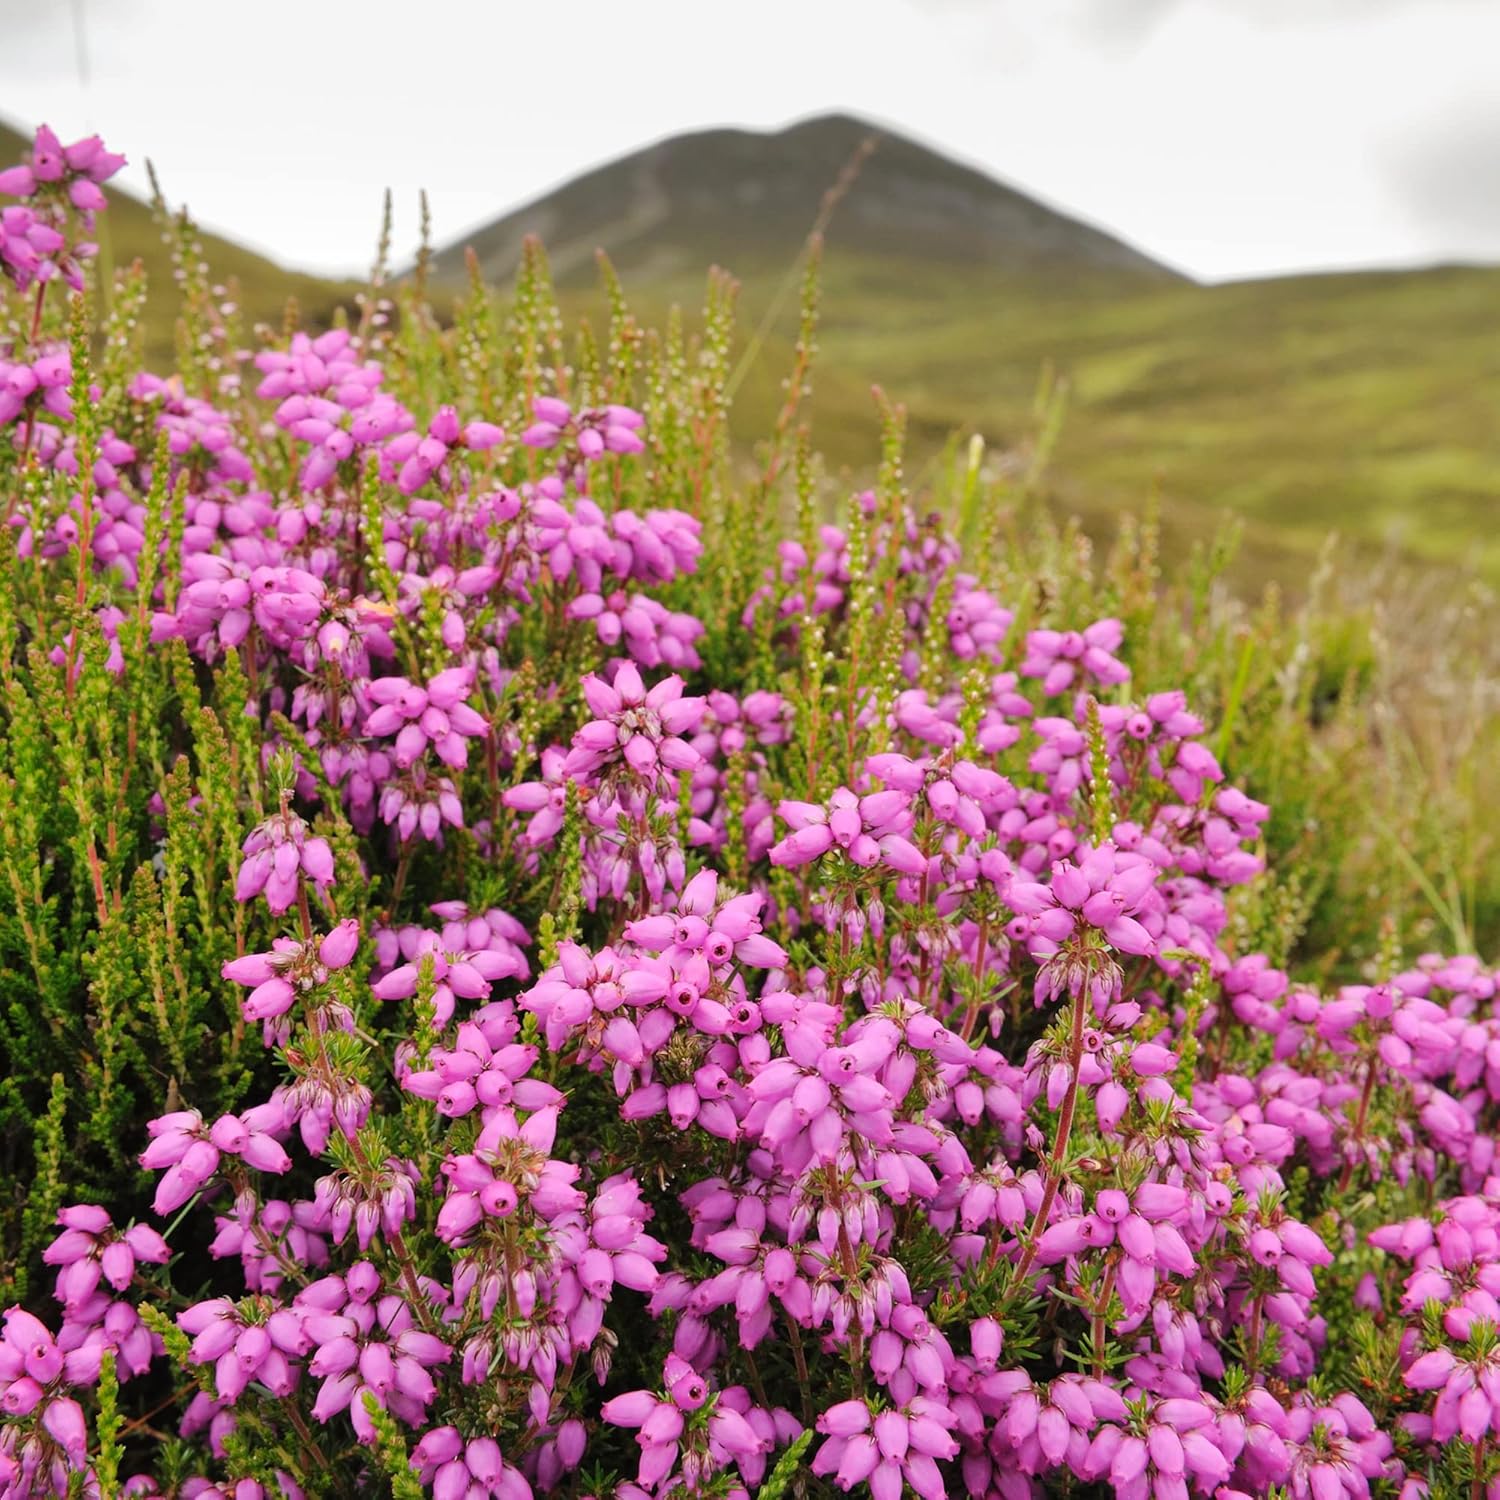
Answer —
(979, 973)
(1361, 1117)
(400, 883)
(1101, 1313)
(1059, 1155)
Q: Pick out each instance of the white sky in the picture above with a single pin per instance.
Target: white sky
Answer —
(1226, 137)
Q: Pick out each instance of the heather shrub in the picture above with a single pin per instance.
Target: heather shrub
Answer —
(541, 954)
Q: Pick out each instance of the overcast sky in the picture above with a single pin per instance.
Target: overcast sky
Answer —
(1226, 137)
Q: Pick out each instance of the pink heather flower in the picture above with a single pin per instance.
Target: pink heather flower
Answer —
(61, 183)
(701, 923)
(330, 399)
(590, 434)
(1057, 657)
(871, 830)
(279, 854)
(421, 803)
(290, 971)
(895, 1449)
(546, 799)
(90, 1250)
(240, 1350)
(452, 1467)
(367, 1343)
(191, 1151)
(459, 974)
(436, 715)
(653, 635)
(17, 182)
(635, 727)
(413, 458)
(1103, 891)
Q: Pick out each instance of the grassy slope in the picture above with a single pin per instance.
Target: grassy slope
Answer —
(1365, 404)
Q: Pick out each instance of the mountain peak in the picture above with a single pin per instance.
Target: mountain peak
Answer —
(837, 127)
(746, 199)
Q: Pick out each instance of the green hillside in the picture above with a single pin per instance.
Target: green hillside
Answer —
(1365, 404)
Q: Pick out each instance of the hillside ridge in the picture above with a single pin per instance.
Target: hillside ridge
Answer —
(744, 196)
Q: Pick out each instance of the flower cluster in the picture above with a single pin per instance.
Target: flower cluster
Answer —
(60, 188)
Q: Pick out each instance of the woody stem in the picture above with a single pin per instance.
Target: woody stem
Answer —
(1059, 1154)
